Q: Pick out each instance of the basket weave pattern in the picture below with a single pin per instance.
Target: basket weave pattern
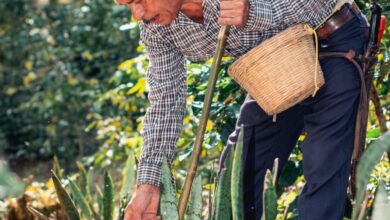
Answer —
(280, 72)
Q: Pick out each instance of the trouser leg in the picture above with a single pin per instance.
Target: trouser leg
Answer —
(329, 122)
(264, 141)
(328, 146)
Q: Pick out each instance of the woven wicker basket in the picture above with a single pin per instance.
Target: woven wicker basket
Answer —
(281, 71)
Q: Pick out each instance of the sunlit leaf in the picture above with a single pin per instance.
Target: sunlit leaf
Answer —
(80, 200)
(66, 202)
(37, 214)
(128, 175)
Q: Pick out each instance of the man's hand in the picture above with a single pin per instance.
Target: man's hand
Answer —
(234, 12)
(144, 204)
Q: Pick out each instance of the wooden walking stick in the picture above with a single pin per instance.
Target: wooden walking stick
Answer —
(221, 41)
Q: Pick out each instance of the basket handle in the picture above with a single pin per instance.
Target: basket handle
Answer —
(311, 31)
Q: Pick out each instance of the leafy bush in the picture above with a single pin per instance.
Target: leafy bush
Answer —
(56, 60)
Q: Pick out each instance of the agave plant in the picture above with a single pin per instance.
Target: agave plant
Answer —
(80, 202)
(228, 199)
(369, 159)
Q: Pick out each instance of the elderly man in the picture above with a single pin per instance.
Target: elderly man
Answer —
(176, 30)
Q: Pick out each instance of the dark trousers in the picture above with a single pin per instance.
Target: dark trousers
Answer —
(328, 120)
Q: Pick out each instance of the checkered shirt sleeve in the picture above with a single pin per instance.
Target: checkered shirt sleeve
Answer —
(166, 78)
(269, 15)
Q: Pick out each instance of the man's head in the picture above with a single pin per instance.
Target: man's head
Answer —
(157, 11)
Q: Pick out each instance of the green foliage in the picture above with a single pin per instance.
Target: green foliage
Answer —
(223, 207)
(37, 214)
(55, 62)
(195, 205)
(84, 179)
(128, 175)
(269, 195)
(119, 129)
(84, 202)
(79, 198)
(369, 159)
(108, 197)
(99, 196)
(168, 207)
(91, 183)
(56, 167)
(275, 169)
(66, 202)
(237, 189)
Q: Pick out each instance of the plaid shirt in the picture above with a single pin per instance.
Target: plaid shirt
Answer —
(170, 46)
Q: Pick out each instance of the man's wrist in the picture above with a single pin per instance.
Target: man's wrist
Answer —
(148, 188)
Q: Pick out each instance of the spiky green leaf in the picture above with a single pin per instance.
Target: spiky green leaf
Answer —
(37, 214)
(369, 159)
(168, 208)
(223, 207)
(128, 175)
(65, 201)
(108, 197)
(211, 198)
(194, 211)
(83, 178)
(80, 200)
(90, 197)
(237, 179)
(99, 196)
(275, 169)
(91, 184)
(56, 167)
(269, 198)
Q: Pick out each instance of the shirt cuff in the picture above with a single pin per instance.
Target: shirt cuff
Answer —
(149, 173)
(260, 15)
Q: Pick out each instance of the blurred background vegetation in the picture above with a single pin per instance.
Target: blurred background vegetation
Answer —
(72, 85)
